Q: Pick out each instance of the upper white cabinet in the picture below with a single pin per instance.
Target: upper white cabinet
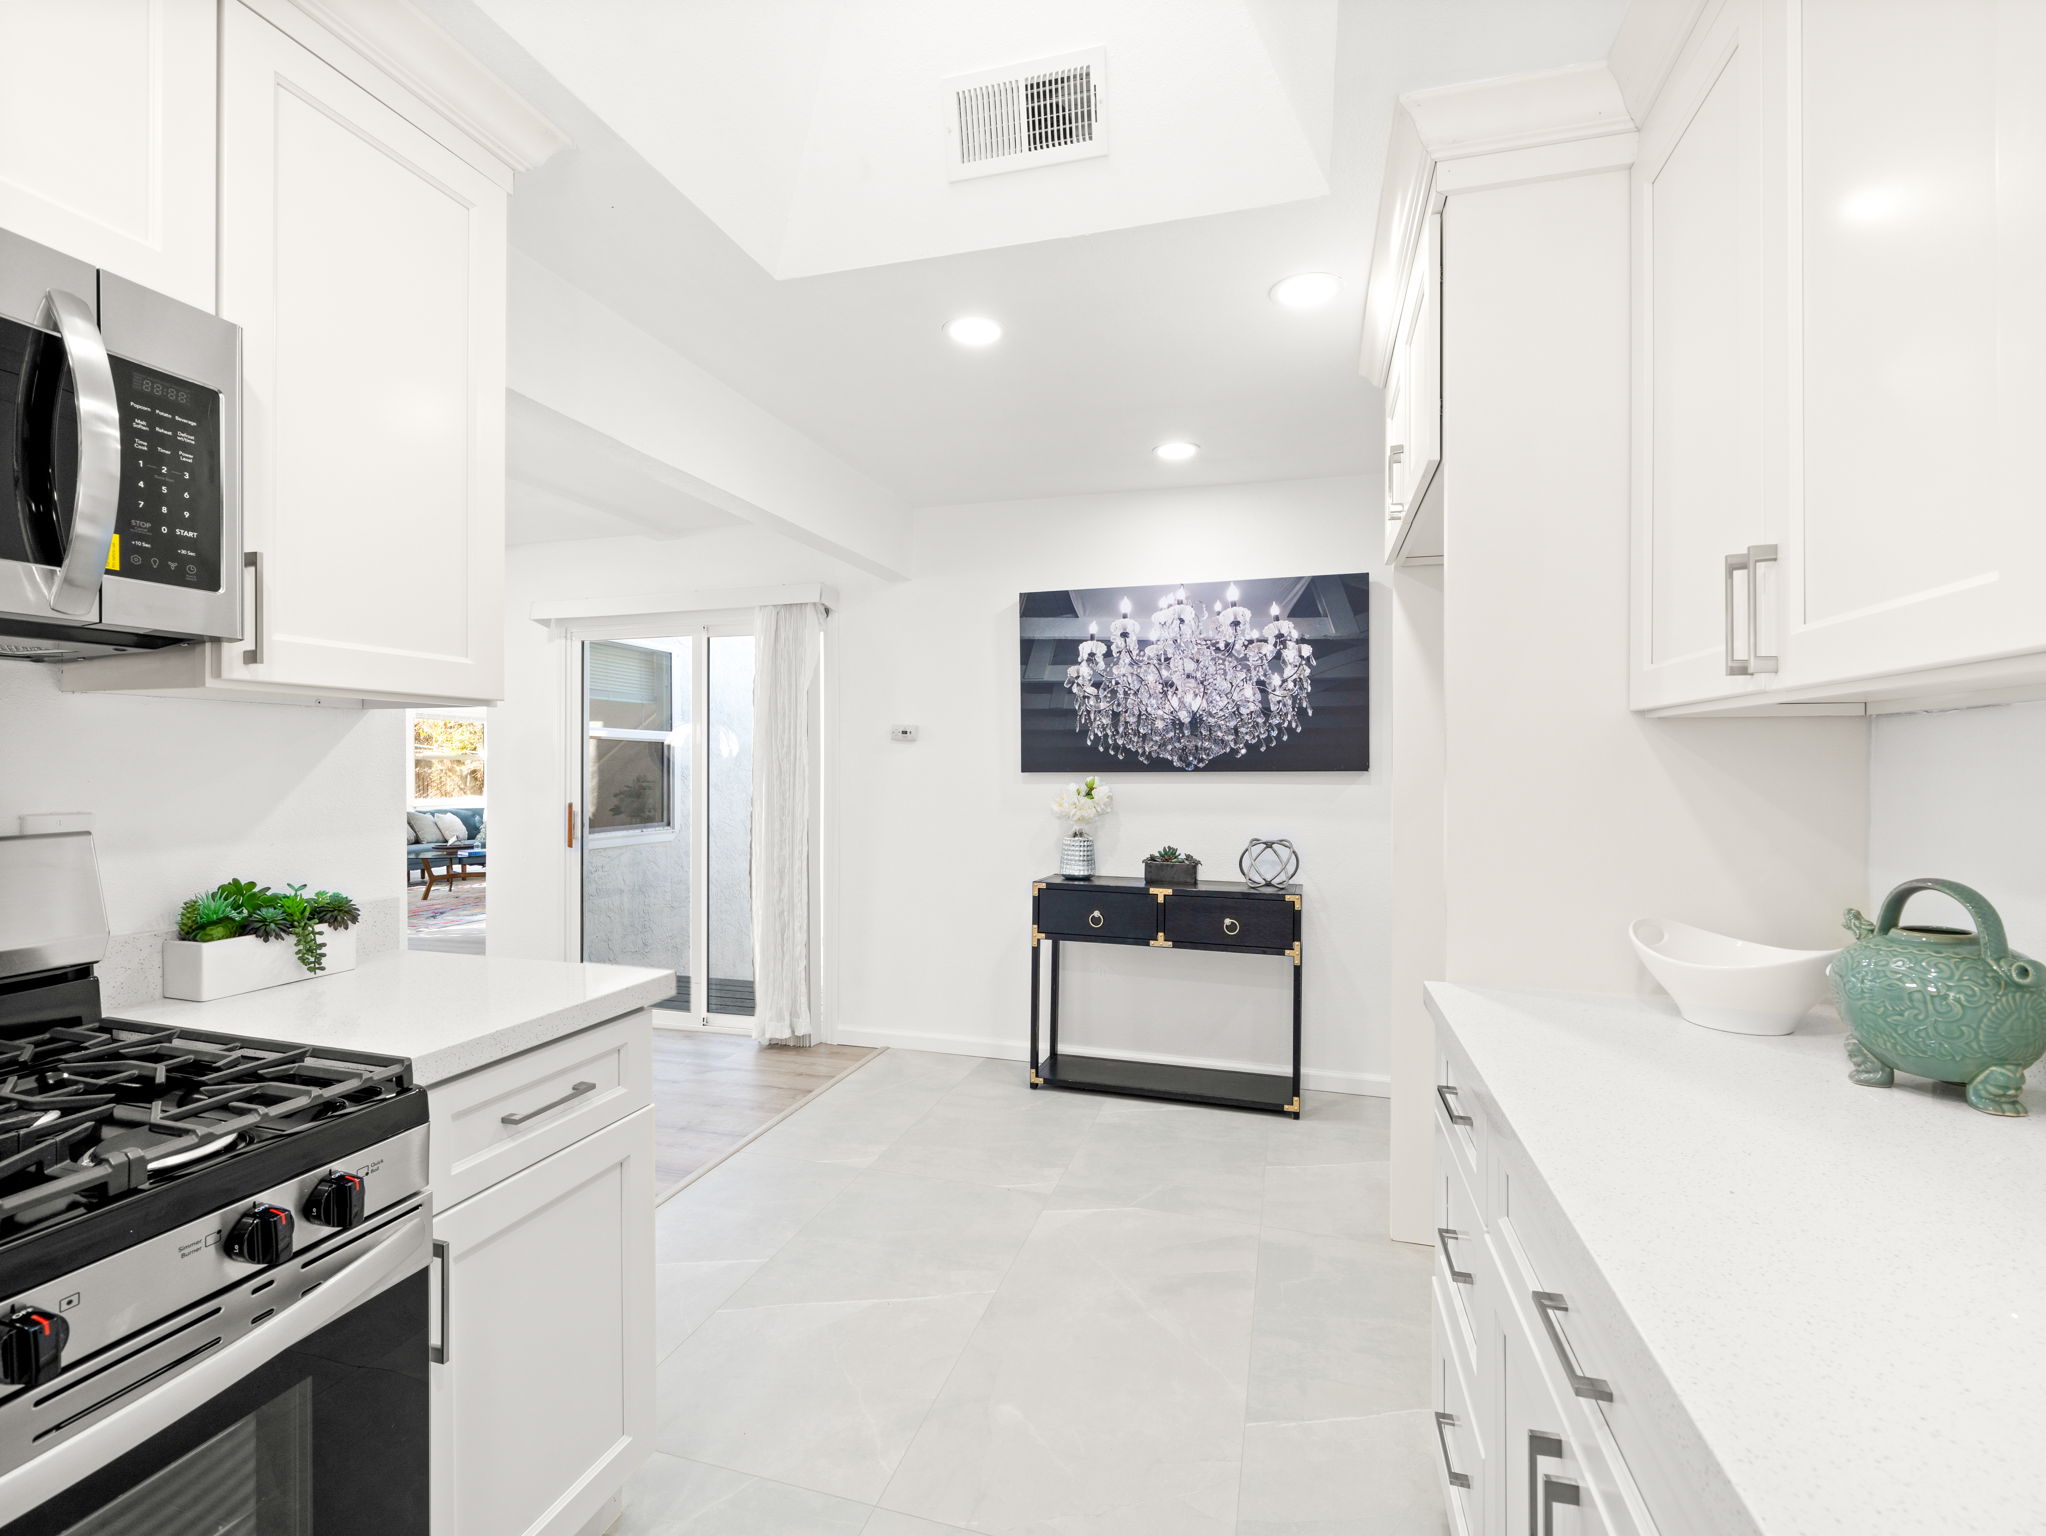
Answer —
(365, 262)
(1413, 410)
(1917, 540)
(362, 249)
(1837, 374)
(1699, 496)
(107, 144)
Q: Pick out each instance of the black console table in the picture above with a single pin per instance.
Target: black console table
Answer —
(1115, 909)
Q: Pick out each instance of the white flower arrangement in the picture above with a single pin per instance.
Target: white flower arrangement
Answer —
(1083, 802)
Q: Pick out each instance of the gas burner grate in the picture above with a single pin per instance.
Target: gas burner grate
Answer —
(93, 1111)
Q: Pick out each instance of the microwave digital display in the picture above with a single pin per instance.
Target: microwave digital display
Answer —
(168, 529)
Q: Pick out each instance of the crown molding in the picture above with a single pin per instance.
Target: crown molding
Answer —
(1651, 35)
(401, 40)
(1462, 138)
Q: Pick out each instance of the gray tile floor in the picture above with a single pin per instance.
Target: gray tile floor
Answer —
(933, 1301)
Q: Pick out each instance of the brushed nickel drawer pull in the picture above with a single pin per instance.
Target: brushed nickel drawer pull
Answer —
(1556, 1490)
(1231, 927)
(1443, 1091)
(533, 1114)
(1443, 1237)
(1094, 918)
(1549, 1303)
(1444, 1423)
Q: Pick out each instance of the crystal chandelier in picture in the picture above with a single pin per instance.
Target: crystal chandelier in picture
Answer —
(1206, 685)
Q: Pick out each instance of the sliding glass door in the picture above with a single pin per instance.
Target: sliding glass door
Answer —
(667, 814)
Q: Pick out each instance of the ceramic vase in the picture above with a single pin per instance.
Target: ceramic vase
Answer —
(1942, 1003)
(1076, 857)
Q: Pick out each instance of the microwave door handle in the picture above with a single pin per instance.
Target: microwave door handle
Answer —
(36, 1481)
(75, 589)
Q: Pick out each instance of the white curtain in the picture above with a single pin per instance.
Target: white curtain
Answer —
(787, 639)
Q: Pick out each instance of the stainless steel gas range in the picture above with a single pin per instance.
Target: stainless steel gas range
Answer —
(213, 1258)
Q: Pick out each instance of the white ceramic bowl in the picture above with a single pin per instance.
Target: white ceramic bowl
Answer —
(1731, 984)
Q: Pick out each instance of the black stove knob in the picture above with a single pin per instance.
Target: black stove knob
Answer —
(31, 1344)
(260, 1235)
(338, 1200)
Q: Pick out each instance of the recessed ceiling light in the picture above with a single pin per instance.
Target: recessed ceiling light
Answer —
(1306, 290)
(974, 331)
(1176, 452)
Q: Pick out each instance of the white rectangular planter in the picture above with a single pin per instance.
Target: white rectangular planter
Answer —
(202, 972)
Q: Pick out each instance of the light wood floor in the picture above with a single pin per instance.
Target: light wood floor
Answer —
(713, 1093)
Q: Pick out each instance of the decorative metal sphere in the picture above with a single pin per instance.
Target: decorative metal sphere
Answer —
(1268, 863)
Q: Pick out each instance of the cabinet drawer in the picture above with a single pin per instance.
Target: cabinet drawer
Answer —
(1117, 914)
(1249, 921)
(1460, 1466)
(491, 1123)
(1459, 1110)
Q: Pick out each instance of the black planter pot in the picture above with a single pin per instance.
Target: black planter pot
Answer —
(1172, 871)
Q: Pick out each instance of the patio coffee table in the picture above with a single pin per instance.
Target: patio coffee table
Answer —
(462, 859)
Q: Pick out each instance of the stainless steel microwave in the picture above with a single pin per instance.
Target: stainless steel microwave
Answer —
(120, 431)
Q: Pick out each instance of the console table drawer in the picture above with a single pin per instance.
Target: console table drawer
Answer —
(1098, 914)
(1244, 920)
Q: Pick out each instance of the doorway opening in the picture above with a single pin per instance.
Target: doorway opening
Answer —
(446, 837)
(666, 873)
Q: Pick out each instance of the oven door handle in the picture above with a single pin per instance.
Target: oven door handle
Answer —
(74, 590)
(37, 1481)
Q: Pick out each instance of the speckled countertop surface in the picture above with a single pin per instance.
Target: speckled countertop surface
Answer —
(449, 1013)
(1845, 1286)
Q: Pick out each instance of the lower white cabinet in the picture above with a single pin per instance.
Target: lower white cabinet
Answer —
(542, 1386)
(1530, 1437)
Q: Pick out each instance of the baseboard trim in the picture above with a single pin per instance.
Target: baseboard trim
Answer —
(1375, 1085)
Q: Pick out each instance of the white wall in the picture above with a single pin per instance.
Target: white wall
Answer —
(1961, 795)
(186, 793)
(930, 848)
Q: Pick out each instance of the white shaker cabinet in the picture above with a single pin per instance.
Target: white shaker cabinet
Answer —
(1838, 370)
(107, 136)
(1917, 540)
(365, 260)
(542, 1383)
(1701, 228)
(1413, 411)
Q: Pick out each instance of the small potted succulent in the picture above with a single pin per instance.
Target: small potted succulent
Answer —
(1080, 804)
(227, 939)
(1168, 866)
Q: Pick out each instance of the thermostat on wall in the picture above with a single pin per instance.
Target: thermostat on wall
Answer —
(902, 733)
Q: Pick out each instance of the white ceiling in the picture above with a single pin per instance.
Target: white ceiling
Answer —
(1117, 337)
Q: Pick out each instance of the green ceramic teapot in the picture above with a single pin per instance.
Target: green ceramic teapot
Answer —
(1942, 1003)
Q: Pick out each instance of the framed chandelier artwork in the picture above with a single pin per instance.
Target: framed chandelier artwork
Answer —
(1268, 675)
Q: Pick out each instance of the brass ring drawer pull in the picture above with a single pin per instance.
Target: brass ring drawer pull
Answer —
(1094, 919)
(1231, 927)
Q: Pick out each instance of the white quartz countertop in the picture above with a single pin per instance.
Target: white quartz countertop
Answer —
(1845, 1286)
(449, 1013)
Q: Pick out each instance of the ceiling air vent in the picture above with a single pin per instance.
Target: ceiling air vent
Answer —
(1040, 113)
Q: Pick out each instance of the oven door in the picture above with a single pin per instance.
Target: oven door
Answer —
(312, 1424)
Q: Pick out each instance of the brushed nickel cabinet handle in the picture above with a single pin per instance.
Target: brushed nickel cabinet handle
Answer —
(1541, 1514)
(1759, 555)
(1739, 565)
(1443, 1238)
(252, 561)
(1231, 927)
(533, 1114)
(1444, 1423)
(1443, 1091)
(1556, 1490)
(1549, 1303)
(439, 1354)
(1094, 919)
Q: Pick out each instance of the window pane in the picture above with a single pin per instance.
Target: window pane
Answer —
(430, 735)
(636, 894)
(628, 784)
(731, 824)
(631, 686)
(447, 778)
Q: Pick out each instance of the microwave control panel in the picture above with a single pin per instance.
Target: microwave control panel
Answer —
(168, 529)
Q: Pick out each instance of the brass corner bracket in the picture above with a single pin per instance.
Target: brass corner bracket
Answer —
(1294, 1107)
(1295, 951)
(1037, 885)
(1160, 891)
(1293, 896)
(1038, 1082)
(1161, 942)
(1035, 935)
